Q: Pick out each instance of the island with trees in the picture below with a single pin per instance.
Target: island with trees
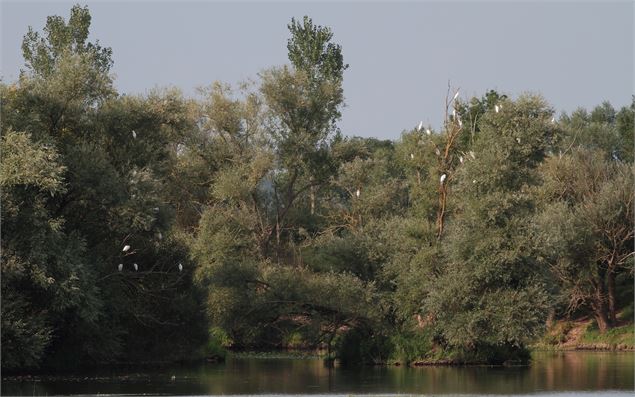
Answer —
(158, 228)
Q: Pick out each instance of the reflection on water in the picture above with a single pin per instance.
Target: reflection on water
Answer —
(550, 372)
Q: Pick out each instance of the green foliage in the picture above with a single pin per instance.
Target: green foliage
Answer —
(622, 337)
(602, 129)
(489, 295)
(217, 344)
(363, 345)
(311, 50)
(77, 187)
(254, 224)
(586, 228)
(42, 54)
(411, 346)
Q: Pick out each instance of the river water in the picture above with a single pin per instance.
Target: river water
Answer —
(551, 374)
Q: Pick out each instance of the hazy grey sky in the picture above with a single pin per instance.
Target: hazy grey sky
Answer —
(401, 55)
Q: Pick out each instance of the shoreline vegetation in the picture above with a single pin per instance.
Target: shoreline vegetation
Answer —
(159, 228)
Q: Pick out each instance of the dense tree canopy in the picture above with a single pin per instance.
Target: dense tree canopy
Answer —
(154, 227)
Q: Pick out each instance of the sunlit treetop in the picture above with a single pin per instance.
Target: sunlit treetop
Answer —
(311, 51)
(43, 52)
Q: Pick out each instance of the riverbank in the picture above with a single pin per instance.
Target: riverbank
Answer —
(582, 334)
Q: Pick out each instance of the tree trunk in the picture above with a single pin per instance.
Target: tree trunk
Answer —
(312, 197)
(602, 320)
(600, 309)
(278, 239)
(611, 294)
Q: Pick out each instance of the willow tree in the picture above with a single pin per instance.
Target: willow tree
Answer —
(586, 229)
(110, 155)
(490, 298)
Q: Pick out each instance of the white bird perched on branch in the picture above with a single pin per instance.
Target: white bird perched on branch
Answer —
(120, 267)
(442, 178)
(126, 248)
(134, 134)
(420, 126)
(136, 267)
(180, 267)
(436, 151)
(553, 120)
(496, 108)
(412, 156)
(358, 192)
(518, 140)
(461, 159)
(460, 122)
(428, 131)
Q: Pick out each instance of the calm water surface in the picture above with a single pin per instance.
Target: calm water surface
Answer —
(551, 374)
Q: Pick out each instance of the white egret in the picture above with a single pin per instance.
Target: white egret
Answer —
(126, 248)
(420, 126)
(358, 192)
(180, 267)
(460, 122)
(518, 140)
(156, 209)
(442, 178)
(136, 267)
(412, 156)
(496, 108)
(134, 134)
(461, 159)
(553, 120)
(160, 236)
(120, 267)
(474, 181)
(428, 131)
(436, 151)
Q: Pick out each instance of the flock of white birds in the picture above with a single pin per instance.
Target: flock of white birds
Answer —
(497, 108)
(126, 248)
